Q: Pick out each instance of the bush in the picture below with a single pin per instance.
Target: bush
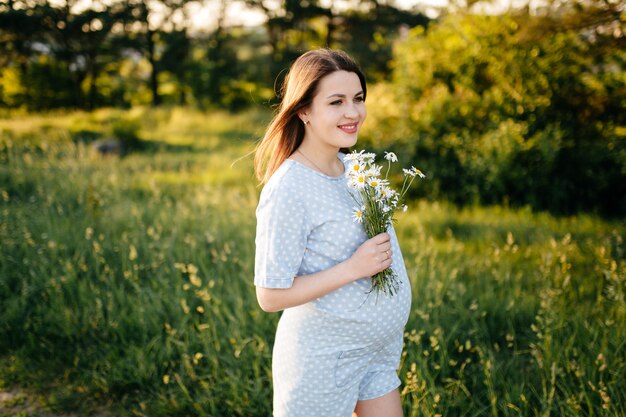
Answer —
(494, 115)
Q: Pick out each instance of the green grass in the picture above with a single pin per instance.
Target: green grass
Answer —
(128, 282)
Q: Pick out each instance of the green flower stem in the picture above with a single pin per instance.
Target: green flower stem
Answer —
(375, 221)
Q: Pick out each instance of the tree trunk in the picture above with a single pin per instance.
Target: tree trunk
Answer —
(154, 74)
(330, 29)
(92, 69)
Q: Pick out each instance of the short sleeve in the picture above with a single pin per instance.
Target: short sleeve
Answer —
(281, 236)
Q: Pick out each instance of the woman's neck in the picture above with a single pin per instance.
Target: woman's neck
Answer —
(320, 158)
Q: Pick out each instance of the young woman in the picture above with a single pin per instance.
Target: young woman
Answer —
(337, 350)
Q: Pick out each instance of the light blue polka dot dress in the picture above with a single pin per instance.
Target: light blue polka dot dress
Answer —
(342, 347)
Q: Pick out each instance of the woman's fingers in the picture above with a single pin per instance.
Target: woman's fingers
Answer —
(381, 238)
(384, 246)
(374, 255)
(384, 256)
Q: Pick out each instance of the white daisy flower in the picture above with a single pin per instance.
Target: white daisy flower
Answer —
(373, 171)
(413, 172)
(369, 156)
(384, 182)
(357, 214)
(374, 182)
(356, 167)
(418, 172)
(358, 181)
(354, 156)
(388, 192)
(390, 156)
(384, 191)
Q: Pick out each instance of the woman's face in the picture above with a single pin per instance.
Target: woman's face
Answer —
(337, 111)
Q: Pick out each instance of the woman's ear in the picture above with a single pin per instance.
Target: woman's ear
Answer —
(304, 117)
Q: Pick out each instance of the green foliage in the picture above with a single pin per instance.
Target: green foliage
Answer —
(128, 282)
(11, 90)
(60, 57)
(493, 115)
(370, 33)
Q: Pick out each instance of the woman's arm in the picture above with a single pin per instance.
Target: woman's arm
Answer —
(373, 256)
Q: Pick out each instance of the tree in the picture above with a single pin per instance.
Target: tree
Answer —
(19, 33)
(146, 25)
(369, 32)
(499, 112)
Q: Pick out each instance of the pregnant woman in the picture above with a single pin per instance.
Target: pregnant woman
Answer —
(337, 349)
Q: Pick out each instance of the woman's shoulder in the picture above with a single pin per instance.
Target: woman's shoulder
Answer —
(286, 180)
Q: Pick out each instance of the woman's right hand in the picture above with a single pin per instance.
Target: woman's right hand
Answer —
(373, 256)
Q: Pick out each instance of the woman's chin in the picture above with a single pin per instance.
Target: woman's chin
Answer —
(350, 141)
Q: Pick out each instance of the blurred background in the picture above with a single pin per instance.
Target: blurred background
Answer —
(516, 102)
(127, 199)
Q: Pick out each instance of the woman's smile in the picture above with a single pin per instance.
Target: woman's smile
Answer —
(349, 128)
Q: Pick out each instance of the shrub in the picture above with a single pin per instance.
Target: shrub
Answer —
(494, 115)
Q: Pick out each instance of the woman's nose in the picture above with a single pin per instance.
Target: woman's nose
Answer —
(351, 111)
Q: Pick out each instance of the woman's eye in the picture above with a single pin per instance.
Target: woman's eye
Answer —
(359, 99)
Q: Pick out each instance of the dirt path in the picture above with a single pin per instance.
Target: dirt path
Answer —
(15, 402)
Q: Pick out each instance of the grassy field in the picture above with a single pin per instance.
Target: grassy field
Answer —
(127, 282)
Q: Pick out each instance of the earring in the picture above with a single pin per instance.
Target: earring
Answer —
(306, 123)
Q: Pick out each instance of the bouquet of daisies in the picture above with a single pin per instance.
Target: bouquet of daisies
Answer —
(376, 203)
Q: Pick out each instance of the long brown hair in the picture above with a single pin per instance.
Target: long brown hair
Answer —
(286, 131)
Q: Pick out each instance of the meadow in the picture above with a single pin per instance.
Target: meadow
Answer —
(127, 282)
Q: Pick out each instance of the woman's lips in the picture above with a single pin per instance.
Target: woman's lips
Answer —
(350, 128)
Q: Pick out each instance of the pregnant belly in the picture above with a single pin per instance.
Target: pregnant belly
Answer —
(348, 317)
